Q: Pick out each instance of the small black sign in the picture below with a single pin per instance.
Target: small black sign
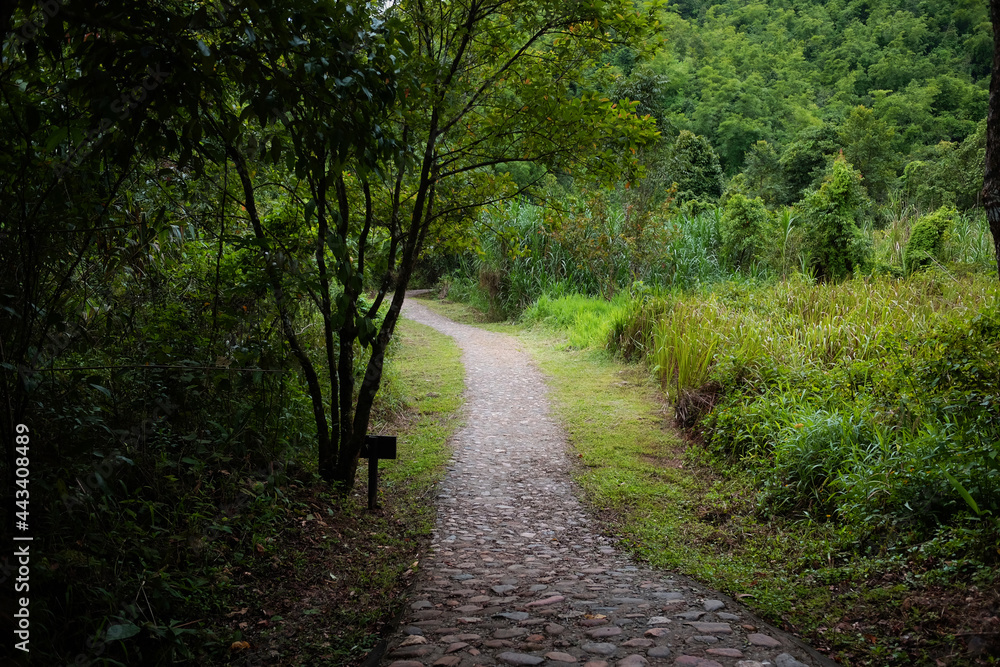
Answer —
(379, 447)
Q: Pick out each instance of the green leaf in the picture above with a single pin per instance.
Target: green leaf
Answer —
(963, 492)
(120, 632)
(57, 138)
(101, 389)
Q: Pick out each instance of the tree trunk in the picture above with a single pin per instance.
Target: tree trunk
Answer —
(325, 446)
(991, 178)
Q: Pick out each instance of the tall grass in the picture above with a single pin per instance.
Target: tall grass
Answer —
(692, 256)
(523, 252)
(797, 323)
(874, 401)
(968, 243)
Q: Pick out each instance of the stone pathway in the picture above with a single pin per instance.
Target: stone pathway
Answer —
(515, 574)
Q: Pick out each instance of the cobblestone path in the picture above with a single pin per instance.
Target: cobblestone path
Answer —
(517, 576)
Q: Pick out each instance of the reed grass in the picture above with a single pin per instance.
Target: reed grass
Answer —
(797, 323)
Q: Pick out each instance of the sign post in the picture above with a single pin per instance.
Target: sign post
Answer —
(376, 447)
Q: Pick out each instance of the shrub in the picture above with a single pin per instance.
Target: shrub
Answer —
(809, 457)
(631, 332)
(694, 166)
(744, 225)
(834, 242)
(927, 238)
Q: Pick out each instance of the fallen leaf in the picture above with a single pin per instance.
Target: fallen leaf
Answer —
(239, 646)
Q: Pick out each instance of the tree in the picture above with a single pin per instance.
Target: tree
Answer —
(492, 83)
(328, 75)
(743, 230)
(804, 160)
(867, 142)
(79, 92)
(351, 147)
(694, 166)
(396, 135)
(991, 177)
(644, 86)
(763, 173)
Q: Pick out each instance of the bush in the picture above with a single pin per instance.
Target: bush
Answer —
(631, 332)
(896, 430)
(809, 457)
(834, 242)
(927, 238)
(744, 225)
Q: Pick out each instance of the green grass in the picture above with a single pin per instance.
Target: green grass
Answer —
(431, 376)
(800, 324)
(334, 570)
(585, 321)
(467, 314)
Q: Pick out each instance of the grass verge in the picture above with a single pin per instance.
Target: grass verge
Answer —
(673, 510)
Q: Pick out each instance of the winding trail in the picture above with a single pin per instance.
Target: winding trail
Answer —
(515, 574)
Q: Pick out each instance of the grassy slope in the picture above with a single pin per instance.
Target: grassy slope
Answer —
(675, 511)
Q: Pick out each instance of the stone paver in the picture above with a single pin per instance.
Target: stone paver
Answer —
(517, 574)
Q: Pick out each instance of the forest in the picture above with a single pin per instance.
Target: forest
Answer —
(212, 213)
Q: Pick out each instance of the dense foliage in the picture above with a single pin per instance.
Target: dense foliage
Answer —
(813, 277)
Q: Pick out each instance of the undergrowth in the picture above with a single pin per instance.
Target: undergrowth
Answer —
(156, 544)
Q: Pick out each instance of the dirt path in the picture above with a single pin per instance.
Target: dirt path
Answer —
(517, 576)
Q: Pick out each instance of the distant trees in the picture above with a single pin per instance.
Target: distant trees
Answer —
(881, 81)
(868, 145)
(694, 166)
